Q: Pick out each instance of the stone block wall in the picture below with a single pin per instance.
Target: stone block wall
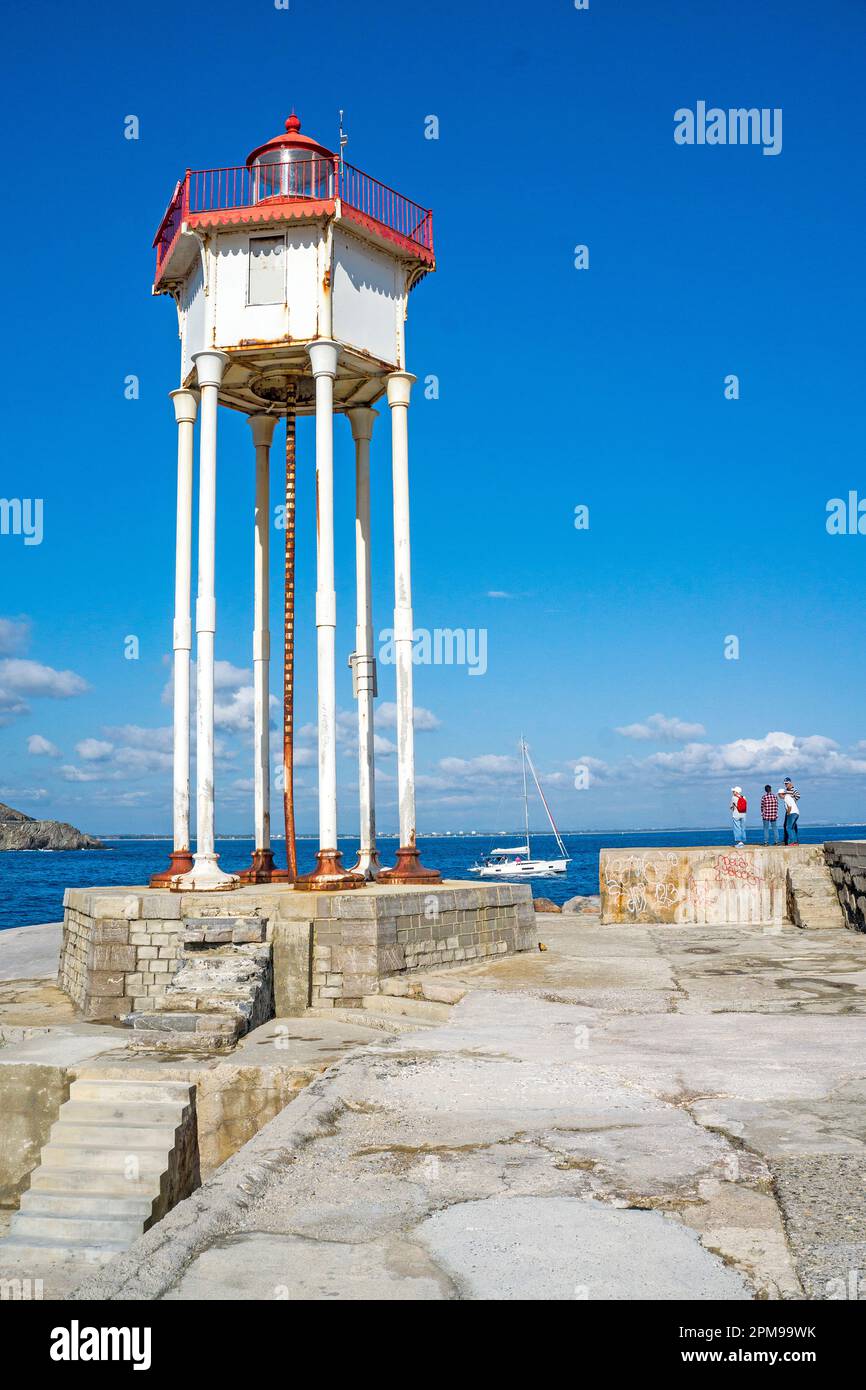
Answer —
(122, 946)
(846, 860)
(113, 959)
(359, 939)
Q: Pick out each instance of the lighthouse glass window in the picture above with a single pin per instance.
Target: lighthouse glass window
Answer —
(267, 276)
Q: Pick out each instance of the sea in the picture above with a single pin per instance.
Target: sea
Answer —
(32, 882)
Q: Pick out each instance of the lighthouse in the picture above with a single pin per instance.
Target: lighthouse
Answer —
(291, 274)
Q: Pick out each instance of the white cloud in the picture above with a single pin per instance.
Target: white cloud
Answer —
(21, 678)
(138, 761)
(237, 714)
(777, 752)
(424, 721)
(42, 747)
(228, 677)
(12, 794)
(31, 678)
(94, 750)
(10, 706)
(498, 593)
(663, 729)
(14, 635)
(225, 677)
(69, 773)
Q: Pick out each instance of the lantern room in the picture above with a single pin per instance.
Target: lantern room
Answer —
(292, 166)
(293, 245)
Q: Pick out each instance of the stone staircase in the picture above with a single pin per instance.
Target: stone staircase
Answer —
(404, 1004)
(222, 988)
(119, 1156)
(812, 900)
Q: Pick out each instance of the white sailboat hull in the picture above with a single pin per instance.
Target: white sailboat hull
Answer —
(528, 868)
(514, 861)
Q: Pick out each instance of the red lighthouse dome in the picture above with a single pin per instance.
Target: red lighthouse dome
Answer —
(292, 165)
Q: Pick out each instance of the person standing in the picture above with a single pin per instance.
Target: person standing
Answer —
(739, 807)
(770, 814)
(792, 813)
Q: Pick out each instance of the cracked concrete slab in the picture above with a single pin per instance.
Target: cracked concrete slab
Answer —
(541, 1248)
(702, 1098)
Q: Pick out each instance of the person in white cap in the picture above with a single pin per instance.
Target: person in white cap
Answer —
(738, 815)
(792, 812)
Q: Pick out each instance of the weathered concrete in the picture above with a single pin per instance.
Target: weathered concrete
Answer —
(676, 1106)
(707, 884)
(28, 953)
(30, 1099)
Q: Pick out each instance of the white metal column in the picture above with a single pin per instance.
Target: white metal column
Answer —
(362, 419)
(205, 873)
(185, 406)
(408, 868)
(329, 872)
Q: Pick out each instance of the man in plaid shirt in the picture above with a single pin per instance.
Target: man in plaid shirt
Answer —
(770, 814)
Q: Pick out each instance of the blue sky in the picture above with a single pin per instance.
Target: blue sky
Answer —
(557, 387)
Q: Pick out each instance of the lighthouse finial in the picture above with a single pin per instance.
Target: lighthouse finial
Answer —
(293, 124)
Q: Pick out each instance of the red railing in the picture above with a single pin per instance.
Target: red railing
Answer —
(316, 180)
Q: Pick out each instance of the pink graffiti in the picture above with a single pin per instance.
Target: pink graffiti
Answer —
(736, 866)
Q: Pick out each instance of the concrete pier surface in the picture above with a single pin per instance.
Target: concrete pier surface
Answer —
(30, 953)
(658, 1113)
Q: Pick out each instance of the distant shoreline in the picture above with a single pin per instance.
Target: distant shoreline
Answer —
(723, 828)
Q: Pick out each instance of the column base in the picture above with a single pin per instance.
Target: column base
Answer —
(179, 863)
(367, 865)
(329, 875)
(409, 869)
(261, 868)
(204, 877)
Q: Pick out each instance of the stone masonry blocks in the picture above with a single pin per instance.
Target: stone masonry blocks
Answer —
(121, 947)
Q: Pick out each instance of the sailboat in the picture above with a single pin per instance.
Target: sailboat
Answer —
(516, 861)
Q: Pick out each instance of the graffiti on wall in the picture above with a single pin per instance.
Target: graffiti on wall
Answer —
(735, 868)
(645, 880)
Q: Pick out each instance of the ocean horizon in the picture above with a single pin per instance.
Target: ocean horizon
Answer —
(33, 881)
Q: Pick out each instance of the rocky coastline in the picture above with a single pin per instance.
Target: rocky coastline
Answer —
(18, 831)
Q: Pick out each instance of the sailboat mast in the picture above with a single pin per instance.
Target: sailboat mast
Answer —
(525, 796)
(562, 848)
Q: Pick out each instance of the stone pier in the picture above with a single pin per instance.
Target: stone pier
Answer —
(122, 946)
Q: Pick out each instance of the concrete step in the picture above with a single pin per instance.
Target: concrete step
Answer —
(233, 1003)
(34, 1252)
(149, 1161)
(77, 1229)
(364, 1018)
(172, 1043)
(159, 1092)
(92, 1182)
(37, 1203)
(425, 1010)
(813, 902)
(411, 987)
(130, 1138)
(168, 1021)
(117, 1113)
